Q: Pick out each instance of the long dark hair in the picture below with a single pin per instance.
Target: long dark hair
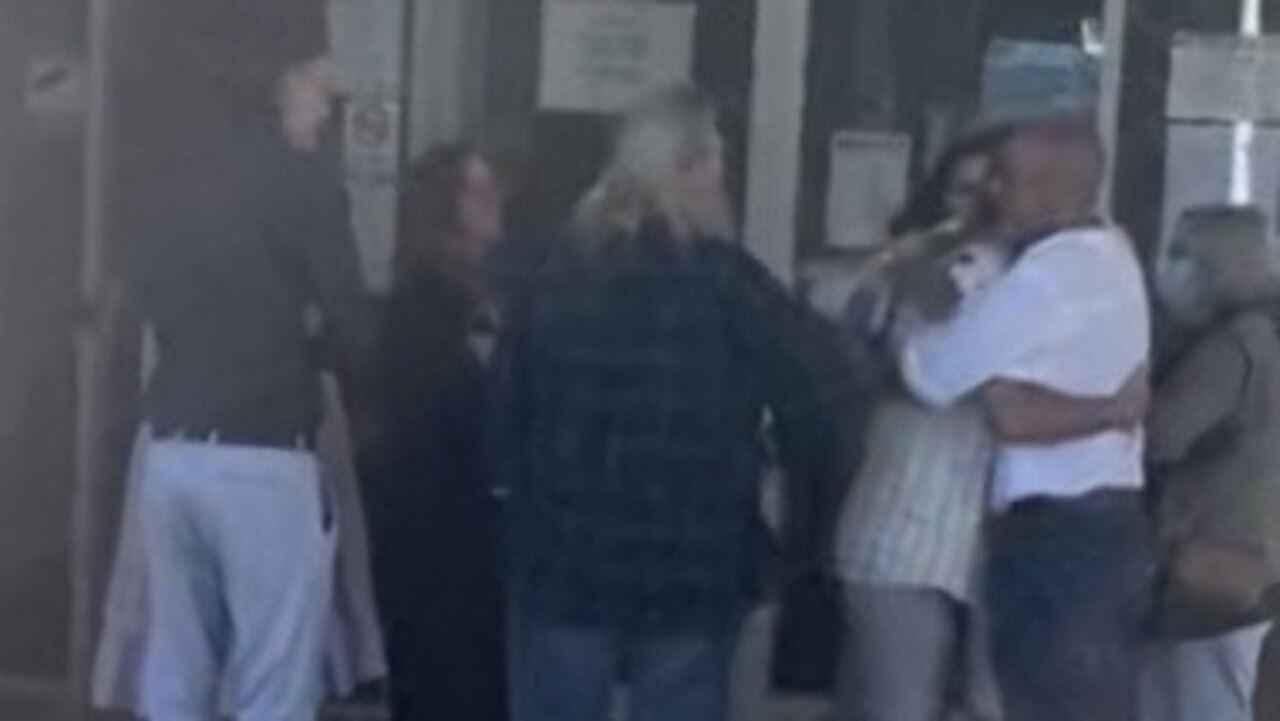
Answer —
(430, 217)
(196, 72)
(927, 206)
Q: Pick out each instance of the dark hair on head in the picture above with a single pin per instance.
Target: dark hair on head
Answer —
(429, 214)
(196, 72)
(927, 206)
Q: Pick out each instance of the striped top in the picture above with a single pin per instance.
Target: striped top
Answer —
(914, 516)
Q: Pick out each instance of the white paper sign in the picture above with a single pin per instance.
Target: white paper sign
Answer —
(1225, 77)
(600, 56)
(1198, 170)
(368, 42)
(869, 174)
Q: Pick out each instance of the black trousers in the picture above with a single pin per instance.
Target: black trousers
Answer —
(439, 591)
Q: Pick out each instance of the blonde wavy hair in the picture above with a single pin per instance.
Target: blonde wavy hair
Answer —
(661, 137)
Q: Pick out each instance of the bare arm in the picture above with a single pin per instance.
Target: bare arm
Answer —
(1027, 414)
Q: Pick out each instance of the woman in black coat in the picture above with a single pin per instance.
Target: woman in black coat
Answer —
(433, 513)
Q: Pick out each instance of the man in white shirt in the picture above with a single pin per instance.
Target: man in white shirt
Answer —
(1068, 562)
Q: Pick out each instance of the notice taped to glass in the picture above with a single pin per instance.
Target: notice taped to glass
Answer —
(599, 56)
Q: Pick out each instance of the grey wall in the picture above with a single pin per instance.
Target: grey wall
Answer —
(40, 191)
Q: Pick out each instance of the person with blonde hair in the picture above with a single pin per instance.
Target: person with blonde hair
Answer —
(633, 382)
(668, 165)
(1214, 447)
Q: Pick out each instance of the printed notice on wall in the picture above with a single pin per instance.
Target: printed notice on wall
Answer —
(599, 56)
(869, 173)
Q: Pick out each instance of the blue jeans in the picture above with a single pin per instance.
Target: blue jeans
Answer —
(567, 673)
(1068, 585)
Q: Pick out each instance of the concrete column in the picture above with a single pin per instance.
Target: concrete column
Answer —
(93, 404)
(1115, 22)
(774, 145)
(11, 66)
(1245, 131)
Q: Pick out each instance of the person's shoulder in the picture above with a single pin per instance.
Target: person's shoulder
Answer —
(729, 262)
(235, 162)
(548, 270)
(1092, 252)
(279, 169)
(429, 281)
(1084, 242)
(723, 251)
(1229, 344)
(1256, 325)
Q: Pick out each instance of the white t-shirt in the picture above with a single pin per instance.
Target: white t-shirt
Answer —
(1071, 316)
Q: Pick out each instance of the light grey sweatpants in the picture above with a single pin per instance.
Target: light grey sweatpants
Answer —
(1210, 680)
(239, 573)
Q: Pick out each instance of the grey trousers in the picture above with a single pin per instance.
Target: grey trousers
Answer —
(240, 582)
(1210, 680)
(912, 654)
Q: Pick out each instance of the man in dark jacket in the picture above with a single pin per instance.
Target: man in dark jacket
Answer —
(243, 249)
(634, 381)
